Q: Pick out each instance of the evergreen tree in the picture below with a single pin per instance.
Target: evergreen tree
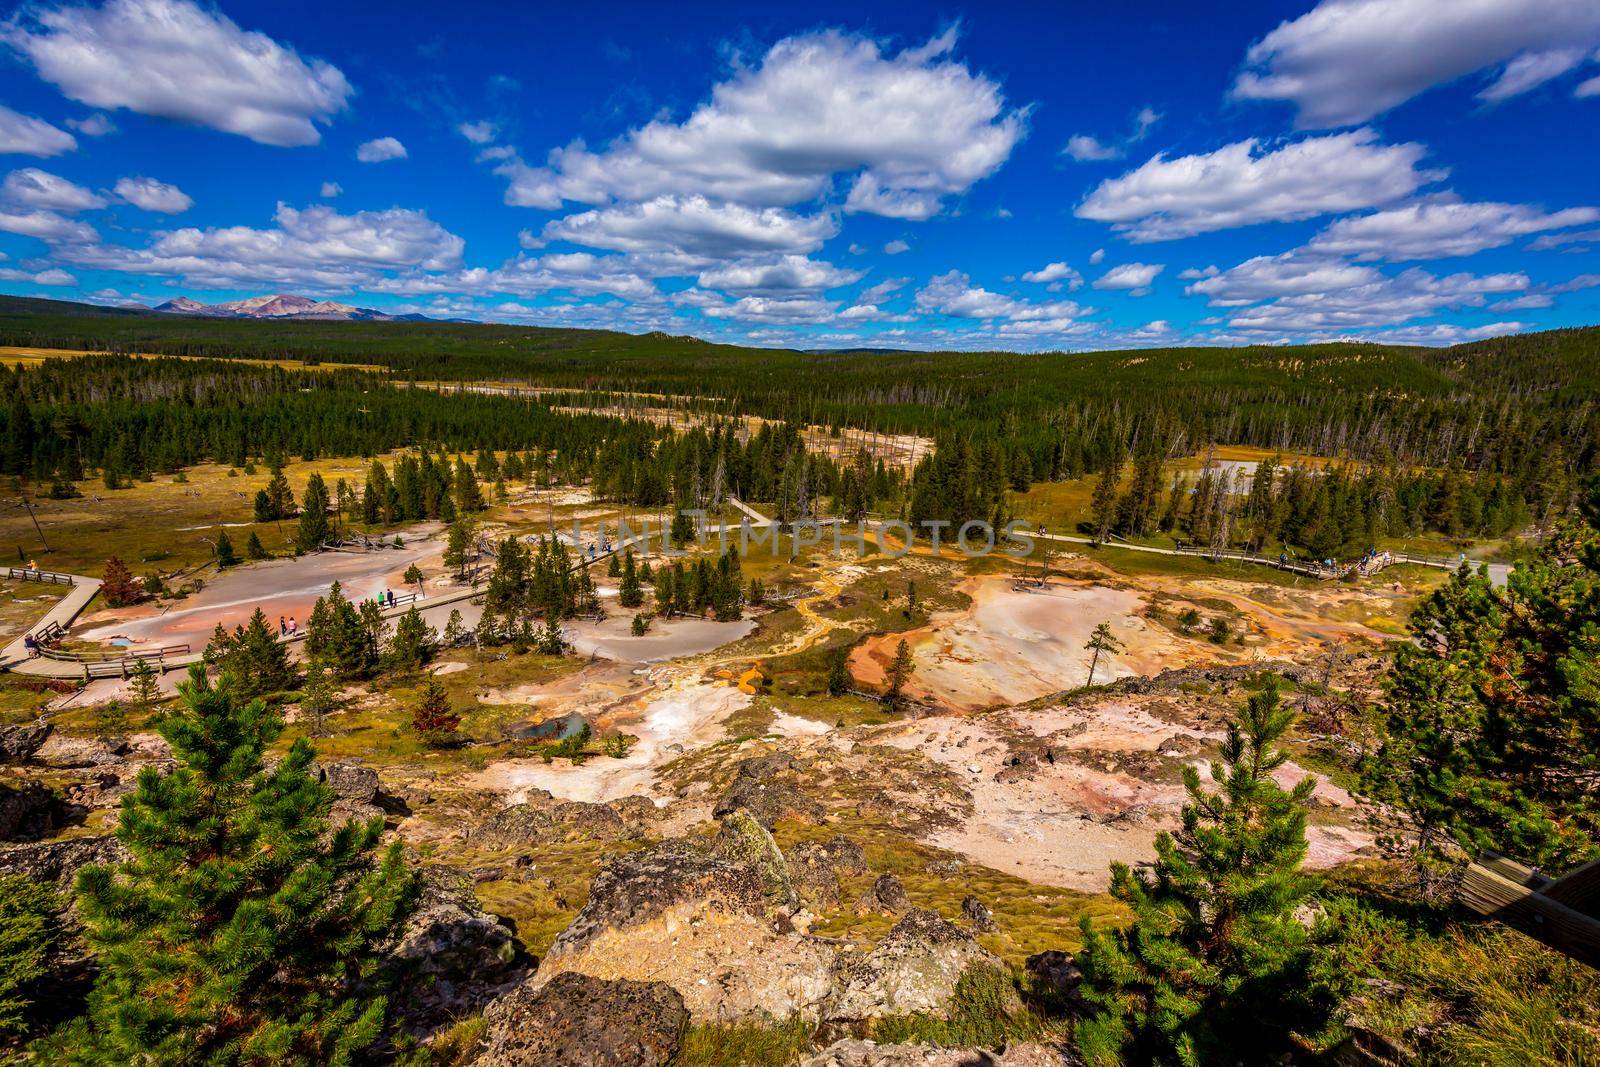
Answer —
(319, 699)
(641, 625)
(254, 549)
(682, 528)
(1100, 641)
(433, 718)
(144, 687)
(118, 585)
(1493, 708)
(241, 931)
(225, 554)
(255, 659)
(838, 673)
(1103, 503)
(454, 631)
(468, 497)
(1213, 967)
(337, 636)
(413, 576)
(458, 543)
(630, 594)
(29, 934)
(900, 670)
(111, 722)
(412, 644)
(314, 530)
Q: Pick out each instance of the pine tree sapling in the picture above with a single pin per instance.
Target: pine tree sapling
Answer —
(226, 556)
(435, 721)
(119, 586)
(1100, 641)
(900, 670)
(241, 930)
(29, 931)
(839, 673)
(254, 549)
(1212, 968)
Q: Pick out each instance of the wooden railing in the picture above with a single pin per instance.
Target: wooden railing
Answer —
(32, 574)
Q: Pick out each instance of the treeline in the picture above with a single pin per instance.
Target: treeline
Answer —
(1509, 405)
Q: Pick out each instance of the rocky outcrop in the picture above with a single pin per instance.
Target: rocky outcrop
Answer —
(817, 867)
(58, 862)
(977, 914)
(520, 824)
(19, 743)
(29, 811)
(767, 800)
(543, 819)
(61, 751)
(915, 968)
(451, 957)
(1054, 976)
(853, 1052)
(70, 967)
(711, 919)
(1179, 679)
(581, 1021)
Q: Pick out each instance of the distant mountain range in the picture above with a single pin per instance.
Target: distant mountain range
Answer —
(281, 306)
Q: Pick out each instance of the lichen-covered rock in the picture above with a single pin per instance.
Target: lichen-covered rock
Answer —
(19, 743)
(59, 750)
(351, 782)
(886, 896)
(914, 968)
(711, 920)
(977, 914)
(579, 1021)
(1054, 975)
(59, 862)
(817, 866)
(768, 801)
(580, 820)
(638, 814)
(451, 957)
(520, 824)
(853, 1052)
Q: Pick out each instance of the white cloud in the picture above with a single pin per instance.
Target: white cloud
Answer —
(481, 132)
(27, 136)
(96, 125)
(694, 227)
(793, 310)
(381, 150)
(954, 294)
(314, 246)
(1239, 185)
(1556, 240)
(877, 294)
(176, 60)
(911, 128)
(151, 195)
(895, 247)
(1588, 88)
(1269, 277)
(44, 277)
(1097, 257)
(1442, 333)
(790, 273)
(1055, 272)
(1134, 276)
(45, 225)
(1347, 60)
(331, 190)
(34, 188)
(1379, 302)
(1438, 228)
(1087, 149)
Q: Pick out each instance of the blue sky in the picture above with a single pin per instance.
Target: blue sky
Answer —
(1016, 176)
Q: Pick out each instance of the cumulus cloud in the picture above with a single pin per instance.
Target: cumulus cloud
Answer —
(1346, 61)
(381, 150)
(314, 246)
(1378, 302)
(481, 132)
(1097, 257)
(152, 195)
(695, 227)
(790, 273)
(44, 277)
(895, 247)
(45, 225)
(33, 188)
(1055, 272)
(331, 190)
(1269, 277)
(954, 294)
(1135, 277)
(1242, 185)
(25, 135)
(1439, 228)
(908, 130)
(176, 60)
(792, 310)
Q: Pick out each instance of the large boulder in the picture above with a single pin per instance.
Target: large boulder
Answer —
(19, 743)
(767, 800)
(914, 968)
(711, 919)
(886, 896)
(29, 811)
(542, 820)
(817, 867)
(62, 751)
(451, 957)
(520, 824)
(579, 1021)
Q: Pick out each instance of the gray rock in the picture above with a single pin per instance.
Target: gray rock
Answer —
(19, 743)
(59, 862)
(887, 896)
(768, 801)
(853, 1052)
(914, 968)
(1054, 975)
(581, 1021)
(977, 914)
(520, 824)
(29, 811)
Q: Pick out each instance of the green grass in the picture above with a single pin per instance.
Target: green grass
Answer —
(982, 1014)
(747, 1044)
